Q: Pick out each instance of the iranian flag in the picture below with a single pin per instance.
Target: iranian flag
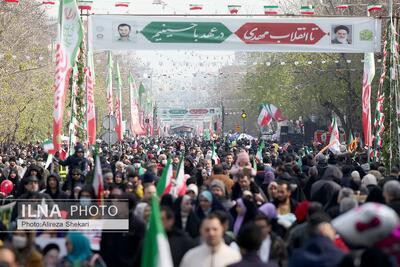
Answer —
(374, 8)
(180, 179)
(264, 118)
(118, 106)
(214, 155)
(234, 9)
(307, 10)
(48, 146)
(195, 7)
(271, 10)
(49, 3)
(259, 156)
(98, 178)
(275, 112)
(343, 7)
(369, 73)
(135, 126)
(110, 84)
(70, 35)
(122, 4)
(156, 250)
(334, 142)
(164, 186)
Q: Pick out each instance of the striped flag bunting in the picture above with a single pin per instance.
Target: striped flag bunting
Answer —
(374, 8)
(307, 10)
(234, 9)
(195, 7)
(271, 10)
(122, 4)
(343, 7)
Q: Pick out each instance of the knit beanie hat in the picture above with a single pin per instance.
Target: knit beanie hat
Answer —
(219, 184)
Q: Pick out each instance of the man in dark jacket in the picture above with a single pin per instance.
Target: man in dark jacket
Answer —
(179, 241)
(53, 187)
(249, 240)
(76, 161)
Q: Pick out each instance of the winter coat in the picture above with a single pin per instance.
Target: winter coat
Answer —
(179, 243)
(319, 251)
(192, 223)
(251, 259)
(58, 194)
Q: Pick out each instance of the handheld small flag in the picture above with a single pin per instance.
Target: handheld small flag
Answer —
(156, 250)
(234, 9)
(271, 10)
(164, 186)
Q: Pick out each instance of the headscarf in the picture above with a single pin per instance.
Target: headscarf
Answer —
(207, 195)
(80, 248)
(240, 218)
(269, 210)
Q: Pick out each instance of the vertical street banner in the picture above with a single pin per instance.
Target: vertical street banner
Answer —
(369, 73)
(237, 33)
(70, 36)
(118, 106)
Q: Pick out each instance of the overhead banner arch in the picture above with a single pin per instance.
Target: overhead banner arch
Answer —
(269, 34)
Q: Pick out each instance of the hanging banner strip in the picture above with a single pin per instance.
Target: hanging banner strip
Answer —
(274, 34)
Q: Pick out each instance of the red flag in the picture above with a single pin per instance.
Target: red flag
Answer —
(91, 114)
(60, 90)
(369, 73)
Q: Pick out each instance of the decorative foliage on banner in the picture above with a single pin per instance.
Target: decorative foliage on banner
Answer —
(390, 149)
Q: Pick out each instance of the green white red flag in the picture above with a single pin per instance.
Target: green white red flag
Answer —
(164, 186)
(135, 126)
(271, 10)
(98, 178)
(109, 92)
(195, 7)
(374, 7)
(234, 9)
(334, 142)
(156, 250)
(214, 155)
(180, 179)
(118, 106)
(70, 36)
(343, 7)
(269, 112)
(307, 10)
(369, 73)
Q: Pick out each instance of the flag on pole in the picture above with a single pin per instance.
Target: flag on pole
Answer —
(110, 84)
(135, 126)
(98, 177)
(271, 10)
(164, 186)
(141, 93)
(91, 111)
(180, 186)
(234, 9)
(369, 73)
(259, 155)
(334, 142)
(70, 36)
(156, 250)
(374, 7)
(118, 106)
(48, 146)
(214, 155)
(352, 143)
(264, 118)
(195, 7)
(343, 7)
(307, 10)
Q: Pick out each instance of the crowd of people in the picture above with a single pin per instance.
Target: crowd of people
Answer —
(287, 206)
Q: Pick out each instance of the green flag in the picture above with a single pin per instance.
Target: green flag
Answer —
(156, 251)
(141, 92)
(259, 155)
